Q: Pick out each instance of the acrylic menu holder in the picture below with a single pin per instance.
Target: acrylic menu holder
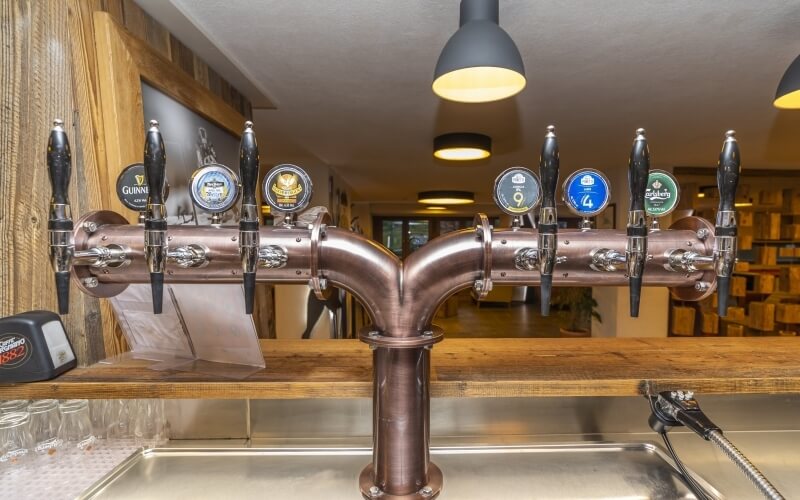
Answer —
(196, 332)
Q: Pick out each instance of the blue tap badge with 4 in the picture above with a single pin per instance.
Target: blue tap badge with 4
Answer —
(587, 192)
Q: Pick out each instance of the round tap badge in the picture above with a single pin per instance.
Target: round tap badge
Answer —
(586, 192)
(517, 191)
(214, 188)
(132, 188)
(662, 194)
(287, 188)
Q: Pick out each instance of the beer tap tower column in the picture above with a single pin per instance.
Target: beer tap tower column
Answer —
(105, 254)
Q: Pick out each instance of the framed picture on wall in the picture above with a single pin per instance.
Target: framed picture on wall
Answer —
(191, 142)
(138, 84)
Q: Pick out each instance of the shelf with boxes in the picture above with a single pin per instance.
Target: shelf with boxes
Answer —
(765, 287)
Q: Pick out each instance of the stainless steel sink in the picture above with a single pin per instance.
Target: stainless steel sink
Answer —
(572, 471)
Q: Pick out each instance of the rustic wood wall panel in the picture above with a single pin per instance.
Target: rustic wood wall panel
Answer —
(38, 84)
(50, 70)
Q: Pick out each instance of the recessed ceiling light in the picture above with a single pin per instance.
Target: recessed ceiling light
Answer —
(446, 197)
(461, 146)
(480, 62)
(436, 208)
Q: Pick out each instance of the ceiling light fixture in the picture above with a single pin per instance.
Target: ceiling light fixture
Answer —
(446, 197)
(435, 208)
(480, 62)
(462, 146)
(788, 94)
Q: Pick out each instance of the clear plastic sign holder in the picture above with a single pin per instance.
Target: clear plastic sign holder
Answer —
(195, 332)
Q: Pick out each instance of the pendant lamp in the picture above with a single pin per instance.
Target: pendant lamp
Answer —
(480, 62)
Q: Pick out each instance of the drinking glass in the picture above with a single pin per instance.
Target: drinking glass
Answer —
(76, 426)
(45, 421)
(14, 405)
(97, 413)
(16, 441)
(148, 422)
(118, 418)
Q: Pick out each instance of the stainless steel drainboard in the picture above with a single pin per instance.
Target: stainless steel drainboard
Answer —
(571, 471)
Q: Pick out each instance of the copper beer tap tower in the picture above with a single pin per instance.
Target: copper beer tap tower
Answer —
(103, 254)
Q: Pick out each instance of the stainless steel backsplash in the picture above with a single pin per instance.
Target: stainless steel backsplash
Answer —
(351, 419)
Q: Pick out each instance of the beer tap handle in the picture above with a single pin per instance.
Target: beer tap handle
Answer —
(155, 160)
(155, 224)
(59, 224)
(248, 224)
(548, 219)
(725, 230)
(728, 171)
(638, 171)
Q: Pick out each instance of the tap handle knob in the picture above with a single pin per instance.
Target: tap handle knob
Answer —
(59, 163)
(155, 160)
(728, 170)
(638, 170)
(548, 168)
(248, 164)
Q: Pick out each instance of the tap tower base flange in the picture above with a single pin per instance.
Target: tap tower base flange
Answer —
(431, 490)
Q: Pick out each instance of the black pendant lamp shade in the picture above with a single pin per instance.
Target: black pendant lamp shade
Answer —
(446, 197)
(788, 94)
(462, 146)
(480, 62)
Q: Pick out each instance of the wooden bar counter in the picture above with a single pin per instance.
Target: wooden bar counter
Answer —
(462, 368)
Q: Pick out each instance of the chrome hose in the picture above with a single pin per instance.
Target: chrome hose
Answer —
(749, 470)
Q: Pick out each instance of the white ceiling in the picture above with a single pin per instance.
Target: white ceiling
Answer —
(351, 83)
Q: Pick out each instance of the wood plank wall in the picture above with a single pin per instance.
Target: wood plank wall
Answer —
(49, 71)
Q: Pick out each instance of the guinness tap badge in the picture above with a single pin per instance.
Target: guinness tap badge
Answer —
(287, 188)
(131, 188)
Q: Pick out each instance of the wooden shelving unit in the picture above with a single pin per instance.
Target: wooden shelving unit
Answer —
(297, 369)
(767, 276)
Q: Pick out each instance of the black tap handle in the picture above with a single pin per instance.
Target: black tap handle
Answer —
(59, 163)
(638, 170)
(155, 160)
(548, 168)
(728, 170)
(248, 164)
